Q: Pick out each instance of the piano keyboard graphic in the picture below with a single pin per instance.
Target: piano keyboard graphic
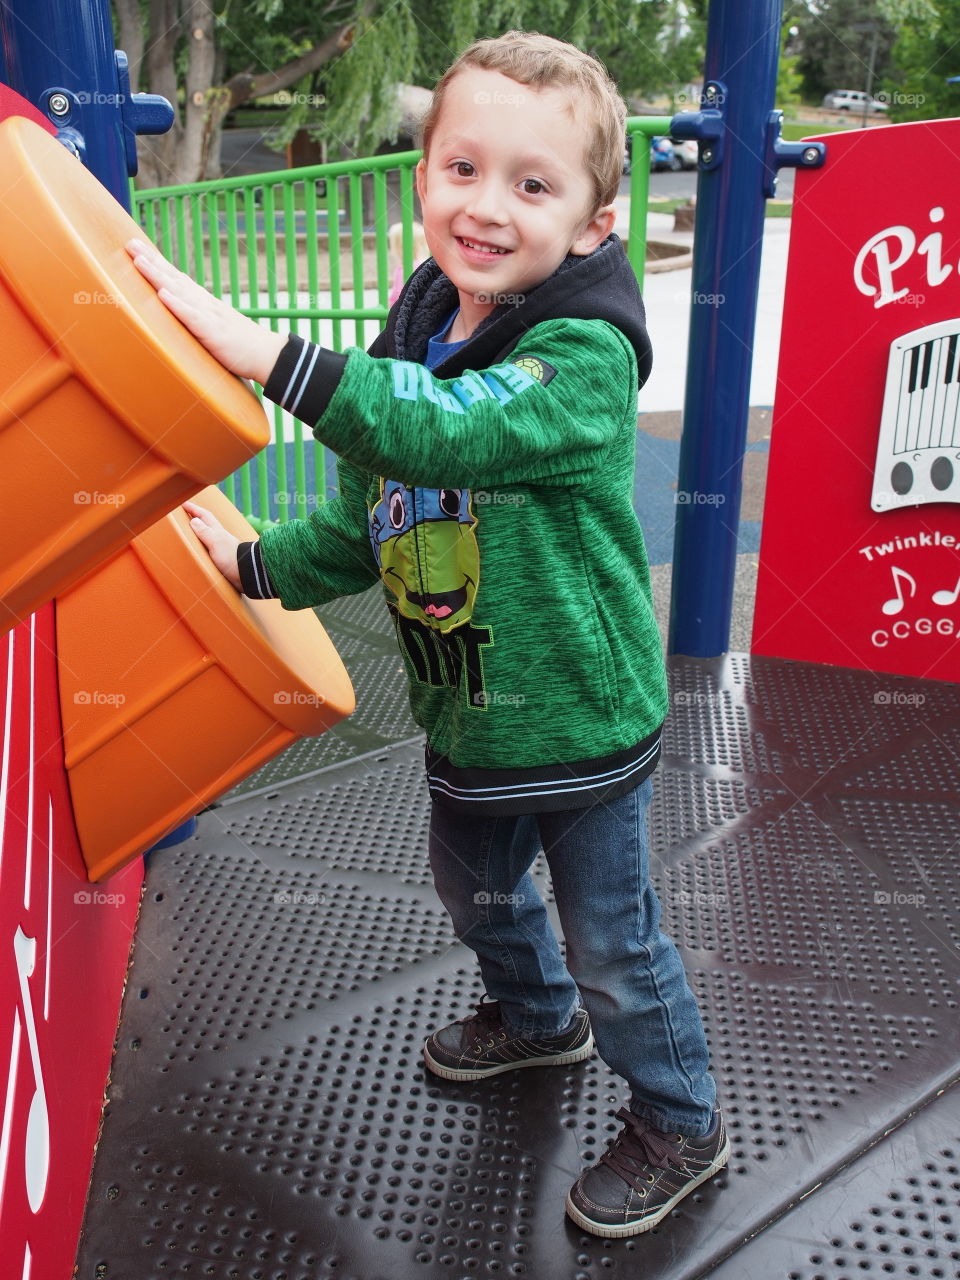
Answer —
(918, 453)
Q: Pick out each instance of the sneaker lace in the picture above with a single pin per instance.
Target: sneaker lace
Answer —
(637, 1146)
(479, 1025)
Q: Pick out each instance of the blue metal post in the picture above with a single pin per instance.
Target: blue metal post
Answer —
(59, 55)
(743, 48)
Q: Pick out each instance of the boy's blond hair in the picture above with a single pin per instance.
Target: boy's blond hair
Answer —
(544, 62)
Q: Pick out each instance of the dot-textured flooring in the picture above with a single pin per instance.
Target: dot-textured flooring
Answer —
(269, 1116)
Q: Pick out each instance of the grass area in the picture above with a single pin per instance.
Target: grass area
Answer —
(775, 208)
(793, 132)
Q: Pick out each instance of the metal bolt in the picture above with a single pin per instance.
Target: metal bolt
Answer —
(810, 155)
(59, 104)
(710, 92)
(706, 155)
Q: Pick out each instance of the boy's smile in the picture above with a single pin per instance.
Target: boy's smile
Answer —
(505, 190)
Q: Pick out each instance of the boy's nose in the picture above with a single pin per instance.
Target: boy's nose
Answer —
(486, 204)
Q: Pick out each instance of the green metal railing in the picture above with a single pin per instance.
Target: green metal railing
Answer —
(306, 250)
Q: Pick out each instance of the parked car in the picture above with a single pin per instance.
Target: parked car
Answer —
(852, 100)
(687, 151)
(662, 155)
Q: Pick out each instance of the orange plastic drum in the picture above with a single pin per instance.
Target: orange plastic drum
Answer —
(174, 687)
(111, 413)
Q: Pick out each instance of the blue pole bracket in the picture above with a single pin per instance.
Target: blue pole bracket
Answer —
(707, 126)
(64, 109)
(783, 155)
(139, 112)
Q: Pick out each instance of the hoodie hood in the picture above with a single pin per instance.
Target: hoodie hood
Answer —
(601, 286)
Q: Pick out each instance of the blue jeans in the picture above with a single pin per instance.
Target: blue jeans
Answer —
(619, 965)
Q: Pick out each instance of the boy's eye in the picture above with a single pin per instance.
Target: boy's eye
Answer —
(464, 169)
(532, 186)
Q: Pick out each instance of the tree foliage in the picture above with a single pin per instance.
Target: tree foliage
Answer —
(925, 56)
(342, 60)
(837, 44)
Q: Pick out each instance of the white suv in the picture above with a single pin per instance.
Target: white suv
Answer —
(852, 100)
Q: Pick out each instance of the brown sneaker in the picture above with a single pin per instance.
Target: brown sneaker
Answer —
(642, 1175)
(481, 1046)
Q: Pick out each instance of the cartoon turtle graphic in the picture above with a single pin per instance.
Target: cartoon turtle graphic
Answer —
(426, 548)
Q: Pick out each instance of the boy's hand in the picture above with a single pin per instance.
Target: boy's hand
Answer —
(221, 545)
(239, 343)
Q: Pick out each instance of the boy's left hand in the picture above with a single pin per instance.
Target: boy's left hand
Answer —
(239, 343)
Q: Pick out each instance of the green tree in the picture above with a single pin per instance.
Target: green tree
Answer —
(837, 39)
(342, 60)
(789, 77)
(925, 56)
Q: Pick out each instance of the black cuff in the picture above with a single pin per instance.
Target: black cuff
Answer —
(304, 378)
(254, 579)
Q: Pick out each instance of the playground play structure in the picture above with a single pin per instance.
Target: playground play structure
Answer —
(251, 999)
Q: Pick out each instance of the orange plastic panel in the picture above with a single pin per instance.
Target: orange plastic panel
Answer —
(111, 413)
(174, 687)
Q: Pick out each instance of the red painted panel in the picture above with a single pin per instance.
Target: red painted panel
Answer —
(860, 555)
(64, 945)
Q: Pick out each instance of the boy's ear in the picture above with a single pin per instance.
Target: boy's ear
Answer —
(595, 231)
(420, 175)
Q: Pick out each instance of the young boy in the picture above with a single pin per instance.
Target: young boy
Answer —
(486, 450)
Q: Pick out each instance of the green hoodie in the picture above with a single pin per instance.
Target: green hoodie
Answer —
(496, 508)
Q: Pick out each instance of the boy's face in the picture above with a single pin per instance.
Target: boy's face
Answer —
(505, 190)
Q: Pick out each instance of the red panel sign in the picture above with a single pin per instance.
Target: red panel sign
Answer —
(860, 555)
(64, 945)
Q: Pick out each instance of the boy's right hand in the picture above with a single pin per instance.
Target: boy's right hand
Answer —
(239, 343)
(221, 545)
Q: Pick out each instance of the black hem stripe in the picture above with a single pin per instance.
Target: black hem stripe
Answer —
(543, 789)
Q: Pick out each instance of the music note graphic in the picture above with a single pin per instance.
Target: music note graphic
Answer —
(37, 1156)
(895, 605)
(947, 597)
